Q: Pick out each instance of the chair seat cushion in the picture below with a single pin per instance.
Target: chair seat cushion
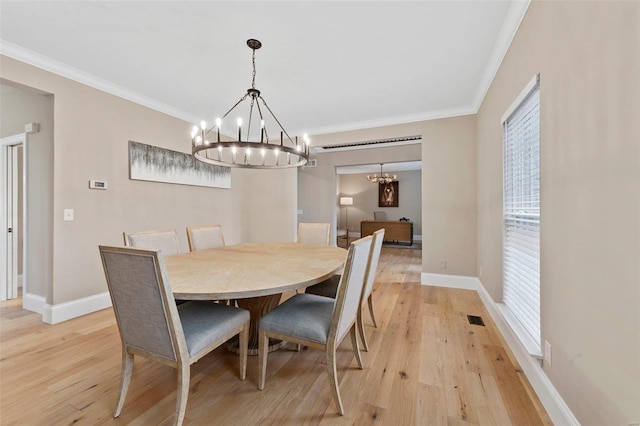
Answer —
(304, 316)
(327, 288)
(205, 322)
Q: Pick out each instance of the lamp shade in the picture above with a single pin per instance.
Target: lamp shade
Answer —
(346, 201)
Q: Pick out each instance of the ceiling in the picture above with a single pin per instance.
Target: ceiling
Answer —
(325, 66)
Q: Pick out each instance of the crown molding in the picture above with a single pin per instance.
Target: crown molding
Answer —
(503, 42)
(390, 121)
(37, 60)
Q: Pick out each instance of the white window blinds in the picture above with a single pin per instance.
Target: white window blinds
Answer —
(521, 218)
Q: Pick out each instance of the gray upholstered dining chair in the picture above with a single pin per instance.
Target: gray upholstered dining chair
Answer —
(329, 287)
(380, 215)
(314, 233)
(205, 237)
(318, 321)
(165, 240)
(152, 325)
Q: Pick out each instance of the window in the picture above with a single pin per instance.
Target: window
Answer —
(521, 214)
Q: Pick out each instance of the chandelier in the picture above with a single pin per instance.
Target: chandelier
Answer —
(253, 147)
(382, 178)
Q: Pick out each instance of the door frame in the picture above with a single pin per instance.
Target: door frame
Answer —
(5, 143)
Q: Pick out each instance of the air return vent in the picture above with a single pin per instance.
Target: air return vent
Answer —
(380, 143)
(475, 320)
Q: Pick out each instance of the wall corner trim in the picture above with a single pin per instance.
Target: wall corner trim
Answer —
(556, 408)
(33, 303)
(53, 314)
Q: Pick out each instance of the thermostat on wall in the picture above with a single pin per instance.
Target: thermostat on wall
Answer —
(97, 184)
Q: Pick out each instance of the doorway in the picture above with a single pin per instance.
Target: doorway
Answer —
(12, 214)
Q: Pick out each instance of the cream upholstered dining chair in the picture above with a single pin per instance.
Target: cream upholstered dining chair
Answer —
(205, 237)
(314, 233)
(165, 240)
(318, 321)
(152, 325)
(329, 287)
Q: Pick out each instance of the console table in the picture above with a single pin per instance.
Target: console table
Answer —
(394, 230)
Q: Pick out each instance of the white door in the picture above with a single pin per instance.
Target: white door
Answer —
(11, 184)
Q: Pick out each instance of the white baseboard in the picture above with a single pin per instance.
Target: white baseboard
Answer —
(33, 303)
(54, 314)
(451, 281)
(556, 408)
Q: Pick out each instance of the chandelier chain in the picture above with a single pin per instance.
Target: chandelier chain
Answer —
(253, 61)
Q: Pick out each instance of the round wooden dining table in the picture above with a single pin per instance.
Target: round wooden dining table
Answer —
(253, 274)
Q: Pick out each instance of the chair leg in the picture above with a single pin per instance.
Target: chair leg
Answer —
(363, 336)
(184, 376)
(370, 303)
(244, 346)
(298, 347)
(333, 379)
(263, 350)
(125, 379)
(354, 343)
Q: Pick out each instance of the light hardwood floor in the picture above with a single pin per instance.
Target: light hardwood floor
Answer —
(426, 366)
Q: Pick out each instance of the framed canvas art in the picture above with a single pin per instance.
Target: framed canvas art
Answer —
(152, 163)
(388, 194)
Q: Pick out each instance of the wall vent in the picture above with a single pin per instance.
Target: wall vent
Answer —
(311, 163)
(380, 143)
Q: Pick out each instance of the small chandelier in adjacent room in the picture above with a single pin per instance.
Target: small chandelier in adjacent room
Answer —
(382, 178)
(253, 148)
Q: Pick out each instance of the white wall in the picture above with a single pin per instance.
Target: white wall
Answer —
(20, 105)
(448, 201)
(588, 57)
(91, 130)
(365, 200)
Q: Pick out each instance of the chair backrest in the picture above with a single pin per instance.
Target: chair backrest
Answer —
(165, 240)
(314, 233)
(205, 237)
(374, 257)
(143, 303)
(350, 287)
(379, 215)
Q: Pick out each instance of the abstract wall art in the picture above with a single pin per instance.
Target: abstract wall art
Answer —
(152, 163)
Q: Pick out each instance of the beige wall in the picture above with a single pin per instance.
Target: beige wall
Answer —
(588, 57)
(365, 200)
(448, 154)
(19, 106)
(91, 135)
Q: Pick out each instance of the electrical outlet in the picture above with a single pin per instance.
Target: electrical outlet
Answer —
(443, 263)
(547, 352)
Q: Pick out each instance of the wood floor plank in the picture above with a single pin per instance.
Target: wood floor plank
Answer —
(426, 366)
